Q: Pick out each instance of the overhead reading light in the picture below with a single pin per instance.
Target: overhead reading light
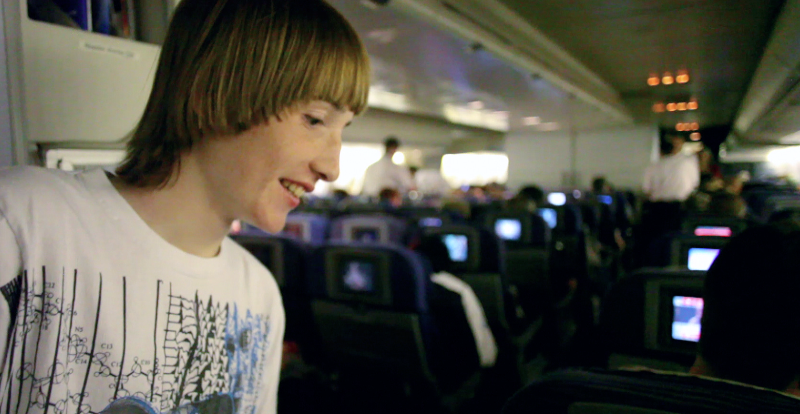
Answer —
(658, 107)
(692, 105)
(681, 106)
(694, 136)
(667, 79)
(695, 126)
(672, 107)
(683, 76)
(680, 126)
(653, 80)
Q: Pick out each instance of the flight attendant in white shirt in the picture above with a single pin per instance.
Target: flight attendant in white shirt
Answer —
(668, 184)
(387, 174)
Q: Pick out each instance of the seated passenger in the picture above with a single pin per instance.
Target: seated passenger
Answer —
(529, 198)
(450, 288)
(725, 204)
(751, 315)
(390, 198)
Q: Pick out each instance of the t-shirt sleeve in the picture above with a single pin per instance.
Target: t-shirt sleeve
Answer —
(274, 356)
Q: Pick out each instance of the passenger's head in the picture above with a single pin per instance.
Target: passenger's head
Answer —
(600, 185)
(734, 184)
(391, 144)
(724, 204)
(391, 197)
(751, 316)
(532, 193)
(433, 248)
(227, 67)
(677, 143)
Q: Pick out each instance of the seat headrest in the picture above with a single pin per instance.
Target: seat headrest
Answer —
(374, 228)
(380, 275)
(645, 392)
(472, 249)
(308, 227)
(284, 256)
(638, 313)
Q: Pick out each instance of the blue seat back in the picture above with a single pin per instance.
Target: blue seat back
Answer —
(376, 228)
(307, 227)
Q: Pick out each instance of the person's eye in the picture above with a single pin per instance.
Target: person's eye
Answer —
(313, 121)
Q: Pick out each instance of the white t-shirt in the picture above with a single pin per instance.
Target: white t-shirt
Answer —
(386, 174)
(476, 318)
(672, 178)
(96, 306)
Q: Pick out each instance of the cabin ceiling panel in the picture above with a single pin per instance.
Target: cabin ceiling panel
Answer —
(720, 42)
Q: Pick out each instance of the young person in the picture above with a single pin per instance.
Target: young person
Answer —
(124, 287)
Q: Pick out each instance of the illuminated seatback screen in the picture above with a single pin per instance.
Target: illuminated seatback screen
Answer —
(687, 313)
(701, 259)
(706, 231)
(508, 229)
(457, 246)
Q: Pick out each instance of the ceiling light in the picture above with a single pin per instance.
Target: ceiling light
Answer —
(667, 79)
(399, 158)
(695, 126)
(531, 120)
(653, 80)
(694, 136)
(681, 106)
(680, 126)
(683, 76)
(477, 105)
(672, 107)
(658, 107)
(692, 105)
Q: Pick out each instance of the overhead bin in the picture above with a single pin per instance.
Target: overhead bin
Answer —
(770, 111)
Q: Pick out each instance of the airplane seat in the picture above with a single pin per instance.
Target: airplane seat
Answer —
(286, 257)
(778, 207)
(696, 252)
(644, 392)
(307, 227)
(371, 228)
(590, 212)
(652, 319)
(477, 257)
(527, 238)
(660, 250)
(375, 314)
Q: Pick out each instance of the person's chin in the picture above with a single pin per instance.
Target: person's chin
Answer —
(271, 221)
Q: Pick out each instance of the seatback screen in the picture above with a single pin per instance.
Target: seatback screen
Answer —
(700, 258)
(358, 276)
(686, 317)
(557, 199)
(508, 229)
(713, 231)
(457, 246)
(365, 234)
(430, 222)
(294, 229)
(549, 215)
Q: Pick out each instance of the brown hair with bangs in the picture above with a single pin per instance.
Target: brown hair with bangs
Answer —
(229, 65)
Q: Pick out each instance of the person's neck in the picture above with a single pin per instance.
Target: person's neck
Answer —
(181, 213)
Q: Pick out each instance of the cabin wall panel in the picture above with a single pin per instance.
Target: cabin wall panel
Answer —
(620, 154)
(6, 138)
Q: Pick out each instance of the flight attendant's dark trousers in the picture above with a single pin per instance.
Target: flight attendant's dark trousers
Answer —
(658, 218)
